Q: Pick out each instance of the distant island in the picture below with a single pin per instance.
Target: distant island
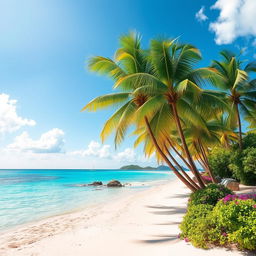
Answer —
(137, 167)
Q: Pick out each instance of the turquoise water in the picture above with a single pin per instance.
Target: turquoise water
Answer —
(30, 195)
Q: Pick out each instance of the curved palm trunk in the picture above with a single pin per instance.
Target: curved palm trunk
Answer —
(201, 162)
(181, 169)
(178, 153)
(189, 157)
(190, 186)
(207, 162)
(239, 126)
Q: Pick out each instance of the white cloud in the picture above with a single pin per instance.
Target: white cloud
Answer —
(94, 149)
(49, 142)
(9, 119)
(200, 15)
(97, 150)
(25, 152)
(236, 19)
(128, 155)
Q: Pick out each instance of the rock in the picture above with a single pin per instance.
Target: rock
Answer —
(114, 183)
(231, 184)
(96, 183)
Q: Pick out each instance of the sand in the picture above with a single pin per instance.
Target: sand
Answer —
(143, 223)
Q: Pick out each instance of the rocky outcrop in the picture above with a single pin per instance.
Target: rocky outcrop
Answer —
(96, 183)
(114, 183)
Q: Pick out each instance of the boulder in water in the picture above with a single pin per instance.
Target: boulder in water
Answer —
(96, 183)
(114, 183)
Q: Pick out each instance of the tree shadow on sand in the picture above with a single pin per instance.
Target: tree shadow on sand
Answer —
(173, 238)
(161, 239)
(167, 210)
(185, 195)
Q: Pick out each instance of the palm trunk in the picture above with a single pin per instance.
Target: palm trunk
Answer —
(178, 153)
(190, 186)
(189, 157)
(181, 169)
(239, 127)
(201, 162)
(207, 162)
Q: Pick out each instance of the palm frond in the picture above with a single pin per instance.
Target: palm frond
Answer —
(105, 101)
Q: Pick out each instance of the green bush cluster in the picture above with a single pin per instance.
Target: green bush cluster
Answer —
(238, 220)
(221, 223)
(219, 161)
(236, 163)
(209, 195)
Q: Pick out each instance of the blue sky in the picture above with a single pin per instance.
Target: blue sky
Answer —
(44, 47)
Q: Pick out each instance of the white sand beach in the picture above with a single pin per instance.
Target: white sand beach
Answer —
(144, 223)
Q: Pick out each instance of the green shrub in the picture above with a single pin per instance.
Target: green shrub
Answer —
(249, 141)
(219, 161)
(228, 222)
(194, 223)
(209, 195)
(238, 220)
(236, 163)
(249, 164)
(244, 166)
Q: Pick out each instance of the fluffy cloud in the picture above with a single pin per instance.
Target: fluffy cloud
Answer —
(9, 119)
(236, 19)
(94, 149)
(128, 155)
(49, 142)
(200, 16)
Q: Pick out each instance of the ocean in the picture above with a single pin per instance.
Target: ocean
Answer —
(31, 195)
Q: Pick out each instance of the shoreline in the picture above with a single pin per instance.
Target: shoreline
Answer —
(142, 223)
(135, 187)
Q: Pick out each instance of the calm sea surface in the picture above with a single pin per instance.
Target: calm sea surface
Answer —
(30, 195)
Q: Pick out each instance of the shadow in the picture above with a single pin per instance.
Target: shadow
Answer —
(169, 223)
(180, 195)
(252, 253)
(160, 207)
(245, 252)
(168, 210)
(162, 239)
(164, 210)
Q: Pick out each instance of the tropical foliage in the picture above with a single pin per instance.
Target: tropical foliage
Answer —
(163, 96)
(235, 163)
(225, 222)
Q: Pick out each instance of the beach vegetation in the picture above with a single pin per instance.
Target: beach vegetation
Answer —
(209, 195)
(162, 94)
(235, 163)
(227, 222)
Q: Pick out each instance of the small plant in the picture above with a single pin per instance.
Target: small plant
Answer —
(209, 195)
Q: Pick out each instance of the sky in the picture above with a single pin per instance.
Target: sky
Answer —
(44, 83)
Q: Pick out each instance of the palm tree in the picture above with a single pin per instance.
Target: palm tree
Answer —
(157, 90)
(174, 82)
(201, 142)
(129, 59)
(233, 79)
